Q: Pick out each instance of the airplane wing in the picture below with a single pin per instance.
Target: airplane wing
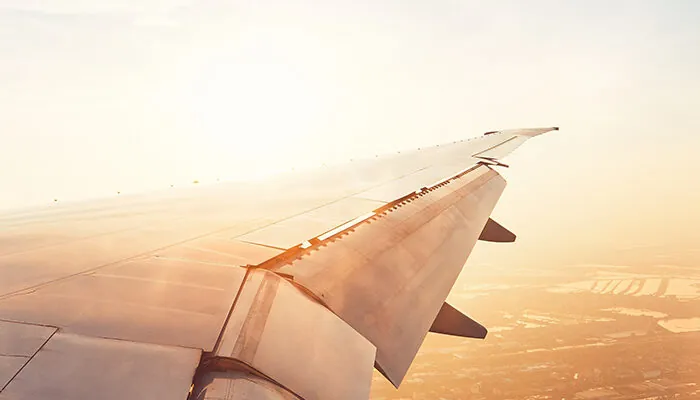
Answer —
(295, 287)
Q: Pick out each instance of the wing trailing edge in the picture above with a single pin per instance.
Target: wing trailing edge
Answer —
(388, 277)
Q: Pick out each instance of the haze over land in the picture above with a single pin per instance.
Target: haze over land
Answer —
(100, 97)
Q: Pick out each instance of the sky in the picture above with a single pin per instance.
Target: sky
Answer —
(133, 95)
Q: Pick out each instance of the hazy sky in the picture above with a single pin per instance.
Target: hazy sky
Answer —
(100, 96)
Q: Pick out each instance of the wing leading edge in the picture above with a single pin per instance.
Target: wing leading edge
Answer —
(242, 275)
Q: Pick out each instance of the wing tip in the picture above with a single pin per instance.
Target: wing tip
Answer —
(535, 131)
(525, 132)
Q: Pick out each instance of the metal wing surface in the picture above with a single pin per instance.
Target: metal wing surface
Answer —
(293, 287)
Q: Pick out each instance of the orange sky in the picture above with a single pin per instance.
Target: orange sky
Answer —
(130, 95)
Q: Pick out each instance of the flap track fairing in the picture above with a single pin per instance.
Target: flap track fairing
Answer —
(451, 321)
(495, 232)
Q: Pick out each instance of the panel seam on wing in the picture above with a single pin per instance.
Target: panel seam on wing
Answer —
(314, 244)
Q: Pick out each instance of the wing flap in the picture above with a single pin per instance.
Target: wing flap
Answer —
(275, 328)
(376, 281)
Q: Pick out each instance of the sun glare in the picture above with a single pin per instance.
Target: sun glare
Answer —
(251, 112)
